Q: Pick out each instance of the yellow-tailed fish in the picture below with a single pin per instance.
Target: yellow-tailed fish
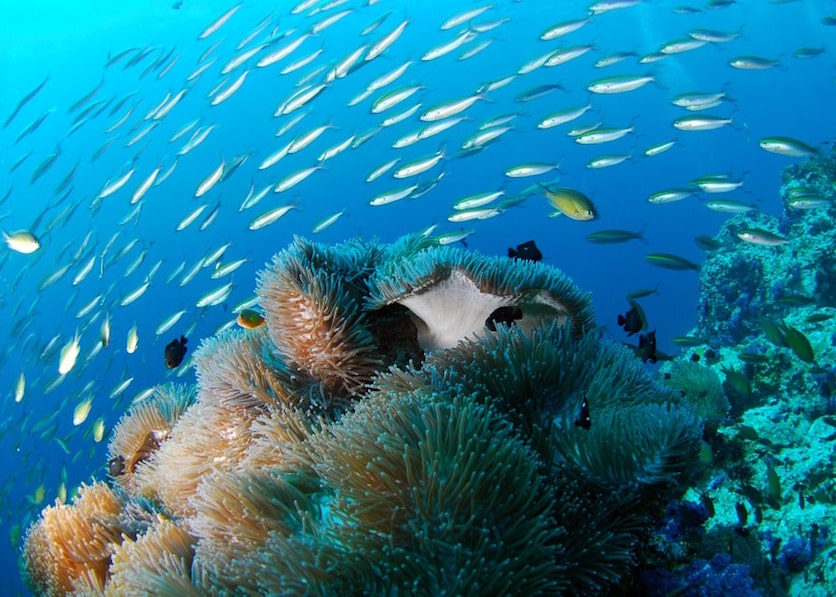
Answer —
(224, 94)
(224, 269)
(524, 170)
(294, 178)
(190, 275)
(752, 63)
(113, 186)
(450, 46)
(788, 147)
(392, 196)
(658, 148)
(476, 213)
(282, 51)
(461, 18)
(247, 303)
(85, 269)
(562, 117)
(104, 331)
(386, 41)
(701, 123)
(670, 261)
(419, 166)
(135, 293)
(620, 84)
(215, 255)
(602, 135)
(447, 238)
(191, 217)
(120, 387)
(146, 184)
(570, 202)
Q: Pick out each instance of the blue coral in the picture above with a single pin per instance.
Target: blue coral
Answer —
(798, 552)
(682, 527)
(718, 577)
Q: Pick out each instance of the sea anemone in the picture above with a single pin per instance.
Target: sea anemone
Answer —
(206, 438)
(644, 448)
(239, 369)
(240, 380)
(159, 562)
(639, 442)
(141, 431)
(313, 310)
(534, 377)
(452, 294)
(69, 548)
(236, 512)
(300, 467)
(599, 534)
(701, 389)
(278, 440)
(438, 492)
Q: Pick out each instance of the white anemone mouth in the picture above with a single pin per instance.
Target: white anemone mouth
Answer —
(454, 309)
(451, 310)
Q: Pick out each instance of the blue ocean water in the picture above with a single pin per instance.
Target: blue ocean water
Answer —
(70, 43)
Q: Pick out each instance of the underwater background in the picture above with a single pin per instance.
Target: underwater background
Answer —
(63, 147)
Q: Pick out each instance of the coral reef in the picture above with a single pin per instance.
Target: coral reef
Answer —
(742, 284)
(767, 313)
(715, 578)
(413, 419)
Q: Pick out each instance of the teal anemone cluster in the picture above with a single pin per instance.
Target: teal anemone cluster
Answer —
(411, 419)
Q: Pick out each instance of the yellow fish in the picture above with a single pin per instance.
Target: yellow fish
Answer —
(573, 203)
(22, 241)
(133, 339)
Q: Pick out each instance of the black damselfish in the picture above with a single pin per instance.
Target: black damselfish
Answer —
(583, 419)
(527, 251)
(175, 351)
